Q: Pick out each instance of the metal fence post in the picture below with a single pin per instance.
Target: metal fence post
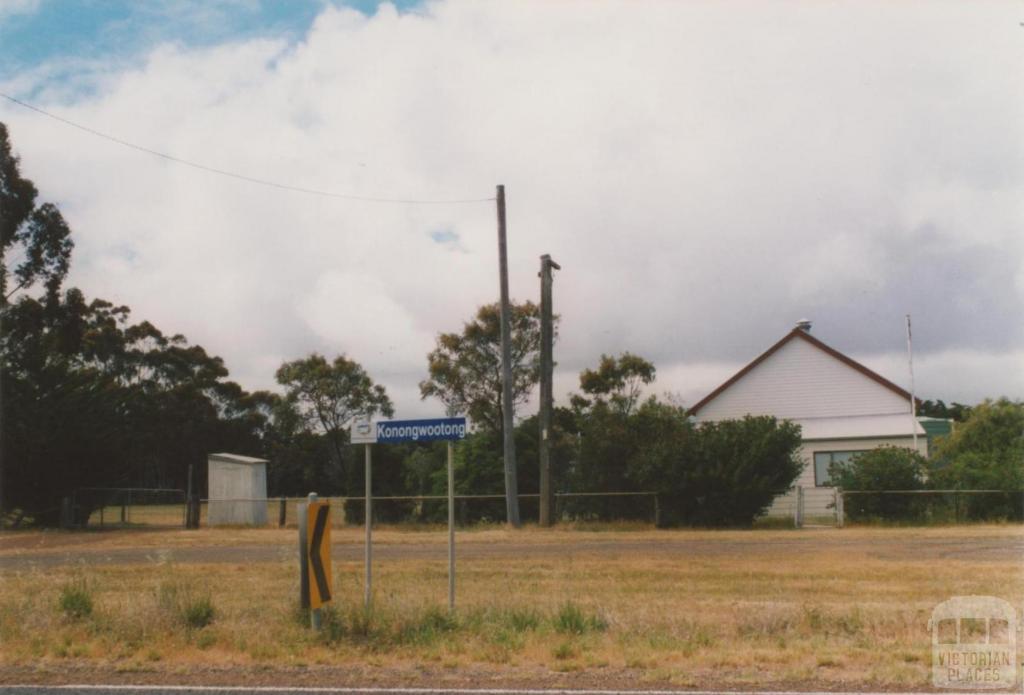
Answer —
(282, 513)
(303, 514)
(801, 506)
(840, 512)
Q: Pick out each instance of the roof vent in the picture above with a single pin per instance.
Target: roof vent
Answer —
(804, 325)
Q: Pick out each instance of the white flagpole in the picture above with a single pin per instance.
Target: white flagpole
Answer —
(913, 402)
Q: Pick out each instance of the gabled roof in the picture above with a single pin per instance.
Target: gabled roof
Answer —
(800, 334)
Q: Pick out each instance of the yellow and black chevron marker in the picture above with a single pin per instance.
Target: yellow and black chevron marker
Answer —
(318, 552)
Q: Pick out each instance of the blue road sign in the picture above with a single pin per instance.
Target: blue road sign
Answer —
(439, 429)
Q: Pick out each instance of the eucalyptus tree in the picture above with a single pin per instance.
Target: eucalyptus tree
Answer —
(619, 380)
(328, 396)
(465, 368)
(89, 397)
(35, 242)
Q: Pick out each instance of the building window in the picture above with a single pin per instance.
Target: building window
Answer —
(824, 459)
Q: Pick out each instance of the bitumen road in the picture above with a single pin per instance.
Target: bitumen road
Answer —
(228, 690)
(976, 548)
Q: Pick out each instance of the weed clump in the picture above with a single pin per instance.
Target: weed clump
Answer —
(361, 622)
(185, 605)
(564, 650)
(198, 613)
(76, 600)
(521, 620)
(427, 627)
(572, 620)
(332, 624)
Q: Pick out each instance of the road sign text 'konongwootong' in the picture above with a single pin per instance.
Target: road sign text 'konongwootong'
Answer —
(396, 431)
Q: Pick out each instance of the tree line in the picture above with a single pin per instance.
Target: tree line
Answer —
(90, 396)
(93, 397)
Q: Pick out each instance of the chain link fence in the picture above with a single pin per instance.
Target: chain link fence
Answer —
(169, 508)
(107, 507)
(923, 507)
(433, 509)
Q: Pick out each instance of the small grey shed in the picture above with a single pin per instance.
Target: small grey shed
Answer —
(237, 490)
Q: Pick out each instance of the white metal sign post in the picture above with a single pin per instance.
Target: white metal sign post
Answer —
(368, 581)
(451, 527)
(449, 429)
(364, 433)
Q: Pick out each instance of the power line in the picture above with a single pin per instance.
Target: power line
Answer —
(240, 177)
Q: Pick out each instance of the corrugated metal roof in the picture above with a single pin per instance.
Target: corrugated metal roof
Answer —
(935, 426)
(236, 458)
(858, 427)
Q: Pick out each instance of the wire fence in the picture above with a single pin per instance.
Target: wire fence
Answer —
(97, 507)
(169, 508)
(433, 509)
(922, 507)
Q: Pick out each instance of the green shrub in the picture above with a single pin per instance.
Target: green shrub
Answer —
(884, 468)
(76, 600)
(985, 452)
(722, 473)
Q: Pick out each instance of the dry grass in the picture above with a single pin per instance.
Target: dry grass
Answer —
(15, 542)
(843, 613)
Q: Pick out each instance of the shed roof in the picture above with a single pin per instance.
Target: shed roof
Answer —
(936, 426)
(236, 458)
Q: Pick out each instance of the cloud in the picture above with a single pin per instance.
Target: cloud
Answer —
(10, 8)
(355, 314)
(704, 173)
(955, 375)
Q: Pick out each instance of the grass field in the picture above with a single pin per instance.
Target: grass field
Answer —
(829, 607)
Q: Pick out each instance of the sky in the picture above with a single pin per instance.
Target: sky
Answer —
(706, 174)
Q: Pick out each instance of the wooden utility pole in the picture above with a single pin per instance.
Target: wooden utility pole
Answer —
(913, 401)
(511, 491)
(547, 366)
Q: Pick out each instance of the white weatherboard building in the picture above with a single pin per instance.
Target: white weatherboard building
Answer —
(842, 407)
(237, 490)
